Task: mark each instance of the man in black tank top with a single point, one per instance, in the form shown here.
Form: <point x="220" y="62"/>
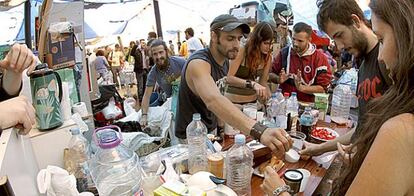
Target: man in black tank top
<point x="199" y="93"/>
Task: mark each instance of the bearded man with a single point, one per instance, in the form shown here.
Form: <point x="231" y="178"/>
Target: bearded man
<point x="166" y="70"/>
<point x="200" y="94"/>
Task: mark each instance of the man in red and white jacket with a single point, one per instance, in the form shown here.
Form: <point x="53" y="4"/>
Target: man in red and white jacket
<point x="302" y="68"/>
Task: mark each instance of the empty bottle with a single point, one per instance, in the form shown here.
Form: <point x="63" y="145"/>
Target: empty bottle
<point x="79" y="155"/>
<point x="239" y="163"/>
<point x="341" y="103"/>
<point x="114" y="168"/>
<point x="196" y="137"/>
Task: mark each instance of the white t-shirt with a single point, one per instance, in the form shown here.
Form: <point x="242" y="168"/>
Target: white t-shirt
<point x="116" y="57"/>
<point x="194" y="44"/>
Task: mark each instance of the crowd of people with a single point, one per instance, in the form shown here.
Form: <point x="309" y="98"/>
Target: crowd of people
<point x="378" y="153"/>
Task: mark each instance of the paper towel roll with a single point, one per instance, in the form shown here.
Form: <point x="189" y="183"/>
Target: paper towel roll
<point x="65" y="105"/>
<point x="80" y="108"/>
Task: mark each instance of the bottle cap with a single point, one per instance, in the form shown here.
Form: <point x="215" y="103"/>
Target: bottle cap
<point x="286" y="94"/>
<point x="196" y="116"/>
<point x="108" y="138"/>
<point x="294" y="94"/>
<point x="75" y="131"/>
<point x="240" y="139"/>
<point x="308" y="108"/>
<point x="279" y="90"/>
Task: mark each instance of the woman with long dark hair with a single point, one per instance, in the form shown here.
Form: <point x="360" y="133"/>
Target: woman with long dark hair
<point x="384" y="160"/>
<point x="248" y="73"/>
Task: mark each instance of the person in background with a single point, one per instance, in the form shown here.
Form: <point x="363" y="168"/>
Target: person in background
<point x="138" y="53"/>
<point x="200" y="94"/>
<point x="193" y="43"/>
<point x="117" y="62"/>
<point x="183" y="50"/>
<point x="101" y="64"/>
<point x="165" y="71"/>
<point x="16" y="110"/>
<point x="249" y="72"/>
<point x="151" y="37"/>
<point x="343" y="20"/>
<point x="108" y="51"/>
<point x="178" y="46"/>
<point x="384" y="155"/>
<point x="171" y="48"/>
<point x="301" y="67"/>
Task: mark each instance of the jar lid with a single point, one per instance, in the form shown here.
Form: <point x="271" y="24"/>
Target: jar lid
<point x="293" y="175"/>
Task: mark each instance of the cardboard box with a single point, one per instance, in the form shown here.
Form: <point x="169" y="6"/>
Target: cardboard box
<point x="60" y="50"/>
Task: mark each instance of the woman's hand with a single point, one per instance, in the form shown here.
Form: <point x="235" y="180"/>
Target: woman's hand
<point x="271" y="181"/>
<point x="261" y="91"/>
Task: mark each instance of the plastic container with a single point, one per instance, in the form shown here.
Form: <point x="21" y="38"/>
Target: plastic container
<point x="239" y="163"/>
<point x="341" y="104"/>
<point x="79" y="155"/>
<point x="196" y="137"/>
<point x="115" y="169"/>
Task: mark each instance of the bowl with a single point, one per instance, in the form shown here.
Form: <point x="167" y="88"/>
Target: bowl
<point x="326" y="130"/>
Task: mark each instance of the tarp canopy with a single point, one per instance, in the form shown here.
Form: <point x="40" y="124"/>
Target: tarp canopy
<point x="134" y="19"/>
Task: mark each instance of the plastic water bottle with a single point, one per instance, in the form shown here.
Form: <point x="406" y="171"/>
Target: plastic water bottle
<point x="196" y="137"/>
<point x="239" y="163"/>
<point x="293" y="105"/>
<point x="293" y="108"/>
<point x="341" y="103"/>
<point x="281" y="117"/>
<point x="306" y="121"/>
<point x="79" y="155"/>
<point x="115" y="169"/>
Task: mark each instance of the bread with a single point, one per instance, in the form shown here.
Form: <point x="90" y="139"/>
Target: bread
<point x="274" y="162"/>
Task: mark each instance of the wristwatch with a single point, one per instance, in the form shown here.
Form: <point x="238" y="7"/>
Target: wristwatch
<point x="249" y="84"/>
<point x="257" y="130"/>
<point x="280" y="190"/>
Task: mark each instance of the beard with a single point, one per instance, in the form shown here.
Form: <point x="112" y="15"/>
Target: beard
<point x="359" y="43"/>
<point x="230" y="54"/>
<point x="162" y="63"/>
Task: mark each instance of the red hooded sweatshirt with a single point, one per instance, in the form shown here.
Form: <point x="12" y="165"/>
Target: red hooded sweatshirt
<point x="313" y="65"/>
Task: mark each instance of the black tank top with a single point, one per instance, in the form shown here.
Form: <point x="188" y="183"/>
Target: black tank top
<point x="189" y="103"/>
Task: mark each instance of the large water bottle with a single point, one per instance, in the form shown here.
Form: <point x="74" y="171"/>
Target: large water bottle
<point x="341" y="103"/>
<point x="78" y="165"/>
<point x="196" y="137"/>
<point x="115" y="169"/>
<point x="239" y="163"/>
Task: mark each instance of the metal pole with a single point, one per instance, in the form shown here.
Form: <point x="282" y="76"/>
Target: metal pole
<point x="27" y="24"/>
<point x="157" y="18"/>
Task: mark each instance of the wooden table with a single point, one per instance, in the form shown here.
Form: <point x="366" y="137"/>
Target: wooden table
<point x="318" y="171"/>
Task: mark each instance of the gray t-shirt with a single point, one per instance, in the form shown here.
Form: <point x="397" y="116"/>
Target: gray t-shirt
<point x="165" y="78"/>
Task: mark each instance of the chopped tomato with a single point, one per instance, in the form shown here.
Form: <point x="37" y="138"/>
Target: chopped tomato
<point x="322" y="133"/>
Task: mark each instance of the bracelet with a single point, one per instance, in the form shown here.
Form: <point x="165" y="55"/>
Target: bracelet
<point x="249" y="84"/>
<point x="280" y="190"/>
<point x="144" y="114"/>
<point x="257" y="131"/>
